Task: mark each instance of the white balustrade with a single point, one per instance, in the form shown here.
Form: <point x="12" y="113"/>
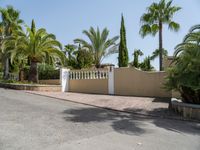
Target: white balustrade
<point x="88" y="74"/>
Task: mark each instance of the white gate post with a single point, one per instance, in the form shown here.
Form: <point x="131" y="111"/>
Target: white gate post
<point x="65" y="79"/>
<point x="111" y="81"/>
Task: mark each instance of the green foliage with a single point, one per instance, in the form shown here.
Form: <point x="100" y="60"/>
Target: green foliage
<point x="157" y="53"/>
<point x="100" y="46"/>
<point x="10" y="23"/>
<point x="46" y="72"/>
<point x="84" y="58"/>
<point x="38" y="47"/>
<point x="184" y="76"/>
<point x="69" y="51"/>
<point x="123" y="51"/>
<point x="136" y="54"/>
<point x="157" y="15"/>
<point x="146" y="64"/>
<point x="156" y="12"/>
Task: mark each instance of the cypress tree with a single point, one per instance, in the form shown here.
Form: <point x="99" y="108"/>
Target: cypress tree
<point x="123" y="51"/>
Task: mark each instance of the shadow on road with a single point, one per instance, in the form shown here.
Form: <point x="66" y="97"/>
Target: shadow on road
<point x="127" y="123"/>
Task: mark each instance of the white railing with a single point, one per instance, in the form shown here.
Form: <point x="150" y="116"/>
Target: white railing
<point x="88" y="74"/>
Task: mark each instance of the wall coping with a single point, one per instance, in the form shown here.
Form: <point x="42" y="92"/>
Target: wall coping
<point x="136" y="69"/>
<point x="30" y="85"/>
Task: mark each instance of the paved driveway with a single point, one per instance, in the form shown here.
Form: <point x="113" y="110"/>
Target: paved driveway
<point x="31" y="122"/>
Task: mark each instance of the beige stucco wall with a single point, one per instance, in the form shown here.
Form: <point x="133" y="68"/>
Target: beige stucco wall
<point x="94" y="86"/>
<point x="133" y="82"/>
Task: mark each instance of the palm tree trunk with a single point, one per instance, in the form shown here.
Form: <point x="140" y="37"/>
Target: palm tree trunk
<point x="21" y="73"/>
<point x="6" y="69"/>
<point x="160" y="46"/>
<point x="33" y="73"/>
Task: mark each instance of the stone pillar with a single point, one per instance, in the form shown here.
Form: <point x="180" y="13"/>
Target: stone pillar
<point x="111" y="81"/>
<point x="65" y="79"/>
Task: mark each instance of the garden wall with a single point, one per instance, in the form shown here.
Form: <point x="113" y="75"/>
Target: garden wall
<point x="133" y="82"/>
<point x="50" y="82"/>
<point x="115" y="81"/>
<point x="32" y="87"/>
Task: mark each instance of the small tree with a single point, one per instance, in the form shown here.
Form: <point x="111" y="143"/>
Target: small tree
<point x="69" y="50"/>
<point x="84" y="58"/>
<point x="123" y="51"/>
<point x="146" y="64"/>
<point x="136" y="54"/>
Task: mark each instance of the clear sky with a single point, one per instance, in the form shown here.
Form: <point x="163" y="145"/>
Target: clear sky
<point x="67" y="18"/>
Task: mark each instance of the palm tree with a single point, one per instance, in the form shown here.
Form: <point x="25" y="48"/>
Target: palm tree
<point x="69" y="50"/>
<point x="156" y="53"/>
<point x="38" y="46"/>
<point x="99" y="44"/>
<point x="136" y="54"/>
<point x="10" y="23"/>
<point x="20" y="59"/>
<point x="184" y="75"/>
<point x="152" y="22"/>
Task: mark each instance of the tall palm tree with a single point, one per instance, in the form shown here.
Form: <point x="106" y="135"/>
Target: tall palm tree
<point x="10" y="23"/>
<point x="136" y="54"/>
<point x="99" y="44"/>
<point x="38" y="46"/>
<point x="152" y="22"/>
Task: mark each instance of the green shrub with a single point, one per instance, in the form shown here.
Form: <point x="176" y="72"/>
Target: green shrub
<point x="45" y="72"/>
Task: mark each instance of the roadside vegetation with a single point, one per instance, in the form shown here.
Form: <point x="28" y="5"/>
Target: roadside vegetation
<point x="184" y="75"/>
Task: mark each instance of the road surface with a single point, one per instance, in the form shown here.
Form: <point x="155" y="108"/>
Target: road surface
<point x="32" y="122"/>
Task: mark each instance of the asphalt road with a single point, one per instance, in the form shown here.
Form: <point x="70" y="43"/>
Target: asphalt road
<point x="31" y="122"/>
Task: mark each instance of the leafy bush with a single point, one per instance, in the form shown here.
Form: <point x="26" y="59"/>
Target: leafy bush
<point x="84" y="59"/>
<point x="184" y="76"/>
<point x="46" y="72"/>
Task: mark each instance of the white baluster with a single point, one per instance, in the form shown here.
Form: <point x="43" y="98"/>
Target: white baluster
<point x="94" y="74"/>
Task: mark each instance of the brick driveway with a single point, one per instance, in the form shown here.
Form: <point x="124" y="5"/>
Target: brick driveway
<point x="139" y="105"/>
